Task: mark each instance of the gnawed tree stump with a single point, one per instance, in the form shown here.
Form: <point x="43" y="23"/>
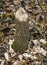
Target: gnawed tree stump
<point x="22" y="31"/>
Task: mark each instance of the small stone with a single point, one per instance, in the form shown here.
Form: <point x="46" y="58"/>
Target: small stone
<point x="6" y="56"/>
<point x="43" y="41"/>
<point x="20" y="57"/>
<point x="35" y="42"/>
<point x="3" y="61"/>
<point x="15" y="63"/>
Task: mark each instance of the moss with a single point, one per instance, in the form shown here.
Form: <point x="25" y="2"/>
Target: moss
<point x="17" y="47"/>
<point x="1" y="0"/>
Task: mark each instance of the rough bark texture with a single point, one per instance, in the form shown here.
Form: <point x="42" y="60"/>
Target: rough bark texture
<point x="22" y="36"/>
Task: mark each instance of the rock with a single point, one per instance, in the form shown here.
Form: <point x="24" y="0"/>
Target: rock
<point x="35" y="42"/>
<point x="40" y="50"/>
<point x="43" y="41"/>
<point x="43" y="52"/>
<point x="26" y="55"/>
<point x="13" y="55"/>
<point x="6" y="56"/>
<point x="35" y="57"/>
<point x="20" y="57"/>
<point x="3" y="61"/>
<point x="0" y="60"/>
<point x="15" y="63"/>
<point x="10" y="43"/>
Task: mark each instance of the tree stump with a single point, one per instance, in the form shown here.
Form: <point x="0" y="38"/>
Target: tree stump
<point x="22" y="31"/>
